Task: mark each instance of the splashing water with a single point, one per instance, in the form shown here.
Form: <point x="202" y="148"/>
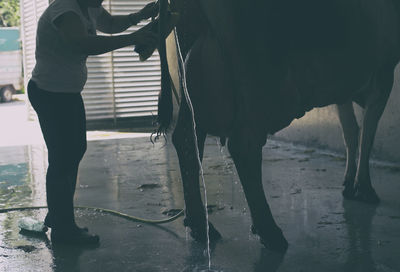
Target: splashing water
<point x="189" y="102"/>
<point x="228" y="168"/>
<point x="187" y="233"/>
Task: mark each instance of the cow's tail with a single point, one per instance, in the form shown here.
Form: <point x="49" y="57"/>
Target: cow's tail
<point x="165" y="105"/>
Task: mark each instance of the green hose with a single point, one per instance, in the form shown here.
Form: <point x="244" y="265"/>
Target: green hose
<point x="112" y="212"/>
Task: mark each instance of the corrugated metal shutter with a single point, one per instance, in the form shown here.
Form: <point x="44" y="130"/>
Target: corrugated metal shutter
<point x="30" y="14"/>
<point x="119" y="86"/>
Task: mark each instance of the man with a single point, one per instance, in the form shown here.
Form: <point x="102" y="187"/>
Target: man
<point x="66" y="36"/>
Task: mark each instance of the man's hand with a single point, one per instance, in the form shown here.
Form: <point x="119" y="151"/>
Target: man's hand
<point x="150" y="10"/>
<point x="145" y="37"/>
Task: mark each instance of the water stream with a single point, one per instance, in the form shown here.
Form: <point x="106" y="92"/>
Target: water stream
<point x="229" y="169"/>
<point x="189" y="102"/>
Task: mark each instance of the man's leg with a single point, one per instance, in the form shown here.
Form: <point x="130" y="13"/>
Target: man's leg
<point x="61" y="118"/>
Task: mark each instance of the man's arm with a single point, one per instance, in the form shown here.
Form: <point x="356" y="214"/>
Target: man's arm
<point x="74" y="33"/>
<point x="111" y="24"/>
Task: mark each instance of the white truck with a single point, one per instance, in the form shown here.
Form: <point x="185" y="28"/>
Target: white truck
<point x="10" y="63"/>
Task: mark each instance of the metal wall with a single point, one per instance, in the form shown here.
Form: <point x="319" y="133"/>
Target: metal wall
<point x="119" y="85"/>
<point x="30" y="14"/>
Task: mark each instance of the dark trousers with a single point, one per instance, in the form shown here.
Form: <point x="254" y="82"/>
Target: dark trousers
<point x="63" y="124"/>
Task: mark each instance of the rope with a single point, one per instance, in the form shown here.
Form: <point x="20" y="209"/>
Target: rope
<point x="108" y="211"/>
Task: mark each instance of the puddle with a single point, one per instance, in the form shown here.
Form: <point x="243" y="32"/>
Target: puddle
<point x="202" y="269"/>
<point x="149" y="186"/>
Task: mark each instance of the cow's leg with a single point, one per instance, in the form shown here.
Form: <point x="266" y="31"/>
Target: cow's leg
<point x="247" y="155"/>
<point x="184" y="142"/>
<point x="373" y="111"/>
<point x="351" y="132"/>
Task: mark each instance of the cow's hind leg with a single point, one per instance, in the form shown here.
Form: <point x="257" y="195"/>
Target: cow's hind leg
<point x="247" y="155"/>
<point x="350" y="131"/>
<point x="374" y="108"/>
<point x="184" y="142"/>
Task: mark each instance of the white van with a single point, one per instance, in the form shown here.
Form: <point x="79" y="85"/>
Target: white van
<point x="10" y="63"/>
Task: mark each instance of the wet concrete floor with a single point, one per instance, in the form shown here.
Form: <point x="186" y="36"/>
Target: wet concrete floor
<point x="303" y="186"/>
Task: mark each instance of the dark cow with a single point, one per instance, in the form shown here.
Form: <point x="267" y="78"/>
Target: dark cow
<point x="254" y="66"/>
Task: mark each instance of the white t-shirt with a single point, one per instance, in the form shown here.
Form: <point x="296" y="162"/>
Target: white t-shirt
<point x="60" y="68"/>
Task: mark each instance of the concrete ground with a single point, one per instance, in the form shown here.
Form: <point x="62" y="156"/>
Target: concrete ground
<point x="125" y="172"/>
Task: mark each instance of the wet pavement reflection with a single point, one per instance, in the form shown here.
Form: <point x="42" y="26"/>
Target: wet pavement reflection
<point x="133" y="176"/>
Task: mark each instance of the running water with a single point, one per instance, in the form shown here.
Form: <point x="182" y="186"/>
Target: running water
<point x="229" y="170"/>
<point x="189" y="102"/>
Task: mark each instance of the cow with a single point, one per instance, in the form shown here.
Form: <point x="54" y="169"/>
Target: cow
<point x="251" y="67"/>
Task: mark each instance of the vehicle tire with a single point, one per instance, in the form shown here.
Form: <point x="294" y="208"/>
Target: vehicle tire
<point x="6" y="94"/>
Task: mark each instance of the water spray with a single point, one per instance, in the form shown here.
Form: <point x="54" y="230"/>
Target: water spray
<point x="190" y="105"/>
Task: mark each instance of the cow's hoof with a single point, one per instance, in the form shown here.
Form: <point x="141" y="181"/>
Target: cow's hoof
<point x="349" y="192"/>
<point x="274" y="240"/>
<point x="366" y="194"/>
<point x="199" y="233"/>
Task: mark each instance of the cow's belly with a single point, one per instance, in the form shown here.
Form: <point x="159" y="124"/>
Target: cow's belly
<point x="331" y="77"/>
<point x="210" y="86"/>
